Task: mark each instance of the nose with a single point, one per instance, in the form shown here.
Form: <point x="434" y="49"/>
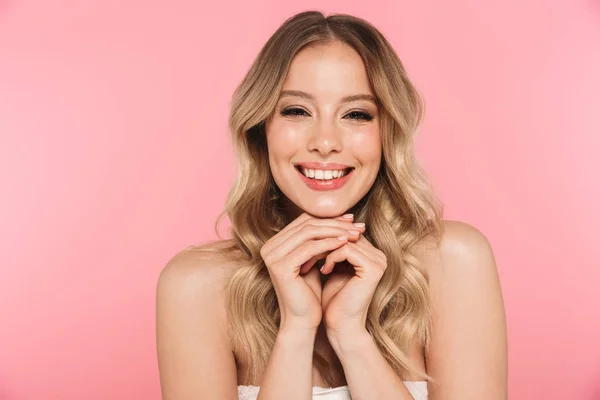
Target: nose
<point x="325" y="138"/>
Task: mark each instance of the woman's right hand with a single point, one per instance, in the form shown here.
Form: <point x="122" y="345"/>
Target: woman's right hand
<point x="302" y="243"/>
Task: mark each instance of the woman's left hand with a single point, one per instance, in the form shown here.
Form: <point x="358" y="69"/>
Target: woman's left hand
<point x="348" y="291"/>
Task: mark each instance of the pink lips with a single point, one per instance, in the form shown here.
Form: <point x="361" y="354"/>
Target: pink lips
<point x="331" y="184"/>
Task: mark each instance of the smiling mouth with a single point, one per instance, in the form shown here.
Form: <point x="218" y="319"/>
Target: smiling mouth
<point x="346" y="172"/>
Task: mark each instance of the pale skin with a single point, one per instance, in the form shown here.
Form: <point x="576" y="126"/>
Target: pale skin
<point x="468" y="357"/>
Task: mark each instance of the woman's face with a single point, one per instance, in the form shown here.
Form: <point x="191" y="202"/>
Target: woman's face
<point x="326" y="121"/>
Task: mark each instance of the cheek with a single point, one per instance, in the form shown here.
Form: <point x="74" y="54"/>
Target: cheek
<point x="282" y="141"/>
<point x="366" y="146"/>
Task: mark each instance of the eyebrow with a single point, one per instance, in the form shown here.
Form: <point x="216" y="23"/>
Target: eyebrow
<point x="308" y="96"/>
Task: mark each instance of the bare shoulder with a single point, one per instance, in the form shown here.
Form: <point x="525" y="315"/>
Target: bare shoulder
<point x="459" y="241"/>
<point x="206" y="266"/>
<point x="192" y="338"/>
<point x="463" y="239"/>
<point x="468" y="354"/>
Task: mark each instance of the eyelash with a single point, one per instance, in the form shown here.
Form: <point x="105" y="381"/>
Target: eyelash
<point x="362" y="115"/>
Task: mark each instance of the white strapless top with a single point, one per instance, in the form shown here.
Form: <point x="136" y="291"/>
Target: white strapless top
<point x="418" y="390"/>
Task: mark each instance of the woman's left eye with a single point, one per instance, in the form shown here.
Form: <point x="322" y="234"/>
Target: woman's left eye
<point x="360" y="115"/>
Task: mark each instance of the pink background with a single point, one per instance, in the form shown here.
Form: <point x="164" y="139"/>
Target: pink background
<point x="115" y="155"/>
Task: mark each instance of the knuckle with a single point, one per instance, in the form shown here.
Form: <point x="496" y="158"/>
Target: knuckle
<point x="309" y="244"/>
<point x="264" y="252"/>
<point x="332" y="243"/>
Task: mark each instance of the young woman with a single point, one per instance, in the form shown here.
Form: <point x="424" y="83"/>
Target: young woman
<point x="340" y="276"/>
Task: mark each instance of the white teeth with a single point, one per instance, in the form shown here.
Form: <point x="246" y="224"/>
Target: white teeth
<point x="322" y="174"/>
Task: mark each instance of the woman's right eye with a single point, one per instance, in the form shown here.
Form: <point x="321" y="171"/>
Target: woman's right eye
<point x="294" y="112"/>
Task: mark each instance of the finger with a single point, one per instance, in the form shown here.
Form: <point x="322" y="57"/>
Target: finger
<point x="362" y="245"/>
<point x="361" y="263"/>
<point x="374" y="261"/>
<point x="306" y="251"/>
<point x="338" y="221"/>
<point x="293" y="227"/>
<point x="315" y="230"/>
<point x="369" y="249"/>
<point x="310" y="263"/>
<point x="281" y="235"/>
<point x="304" y="268"/>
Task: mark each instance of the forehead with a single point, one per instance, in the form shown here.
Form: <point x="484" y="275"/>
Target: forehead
<point x="328" y="69"/>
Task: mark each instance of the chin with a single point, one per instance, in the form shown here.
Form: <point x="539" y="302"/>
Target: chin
<point x="325" y="212"/>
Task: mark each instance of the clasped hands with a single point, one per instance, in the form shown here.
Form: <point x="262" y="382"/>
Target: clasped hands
<point x="352" y="272"/>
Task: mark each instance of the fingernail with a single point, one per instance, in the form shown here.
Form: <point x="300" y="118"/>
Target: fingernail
<point x="342" y="238"/>
<point x="353" y="232"/>
<point x="348" y="216"/>
<point x="359" y="224"/>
